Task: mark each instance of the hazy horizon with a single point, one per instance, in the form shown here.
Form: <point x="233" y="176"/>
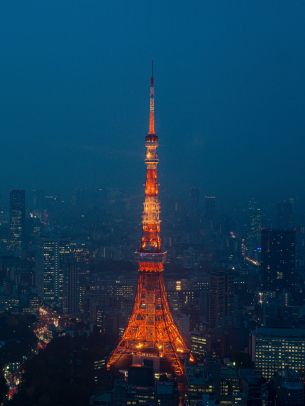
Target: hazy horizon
<point x="229" y="95"/>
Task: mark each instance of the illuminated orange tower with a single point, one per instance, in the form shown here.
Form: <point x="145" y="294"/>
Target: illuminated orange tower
<point x="151" y="330"/>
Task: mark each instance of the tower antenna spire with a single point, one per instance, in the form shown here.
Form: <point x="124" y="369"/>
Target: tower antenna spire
<point x="152" y="102"/>
<point x="151" y="330"/>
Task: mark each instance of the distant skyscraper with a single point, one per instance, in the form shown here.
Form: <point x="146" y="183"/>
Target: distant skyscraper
<point x="64" y="268"/>
<point x="71" y="289"/>
<point x="36" y="203"/>
<point x="278" y="260"/>
<point x="17" y="219"/>
<point x="220" y="297"/>
<point x="52" y="273"/>
<point x="254" y="230"/>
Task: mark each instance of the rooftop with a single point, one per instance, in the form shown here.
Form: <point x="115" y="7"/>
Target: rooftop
<point x="279" y="332"/>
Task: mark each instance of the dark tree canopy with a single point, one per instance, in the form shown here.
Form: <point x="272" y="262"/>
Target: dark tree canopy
<point x="62" y="374"/>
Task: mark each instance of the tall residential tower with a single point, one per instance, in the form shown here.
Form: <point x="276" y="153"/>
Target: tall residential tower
<point x="17" y="219"/>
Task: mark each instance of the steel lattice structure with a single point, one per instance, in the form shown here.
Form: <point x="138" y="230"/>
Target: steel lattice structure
<point x="151" y="330"/>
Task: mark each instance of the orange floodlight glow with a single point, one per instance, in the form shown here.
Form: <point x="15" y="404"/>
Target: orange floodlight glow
<point x="151" y="266"/>
<point x="191" y="358"/>
<point x="151" y="328"/>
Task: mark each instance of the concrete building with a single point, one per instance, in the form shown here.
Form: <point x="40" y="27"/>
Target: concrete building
<point x="274" y="349"/>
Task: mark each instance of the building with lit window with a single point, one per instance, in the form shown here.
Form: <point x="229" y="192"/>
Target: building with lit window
<point x="17" y="220"/>
<point x="254" y="230"/>
<point x="273" y="349"/>
<point x="278" y="259"/>
<point x="141" y="388"/>
<point x="64" y="272"/>
<point x="230" y="390"/>
<point x="201" y="384"/>
<point x="199" y="344"/>
<point x="52" y="277"/>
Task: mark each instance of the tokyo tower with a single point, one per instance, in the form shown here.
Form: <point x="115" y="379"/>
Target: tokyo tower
<point x="151" y="332"/>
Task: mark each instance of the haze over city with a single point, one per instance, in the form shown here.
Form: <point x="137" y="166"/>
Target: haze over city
<point x="152" y="206"/>
<point x="229" y="89"/>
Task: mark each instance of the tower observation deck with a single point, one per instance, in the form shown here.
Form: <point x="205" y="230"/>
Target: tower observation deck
<point x="151" y="331"/>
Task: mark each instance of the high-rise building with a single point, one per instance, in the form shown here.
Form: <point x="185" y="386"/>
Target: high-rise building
<point x="151" y="331"/>
<point x="273" y="349"/>
<point x="17" y="220"/>
<point x="71" y="288"/>
<point x="52" y="274"/>
<point x="199" y="344"/>
<point x="79" y="255"/>
<point x="220" y="297"/>
<point x="64" y="266"/>
<point x="278" y="259"/>
<point x="36" y="203"/>
<point x="253" y="241"/>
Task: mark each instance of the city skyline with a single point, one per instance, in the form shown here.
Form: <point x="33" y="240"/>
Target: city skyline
<point x="87" y="315"/>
